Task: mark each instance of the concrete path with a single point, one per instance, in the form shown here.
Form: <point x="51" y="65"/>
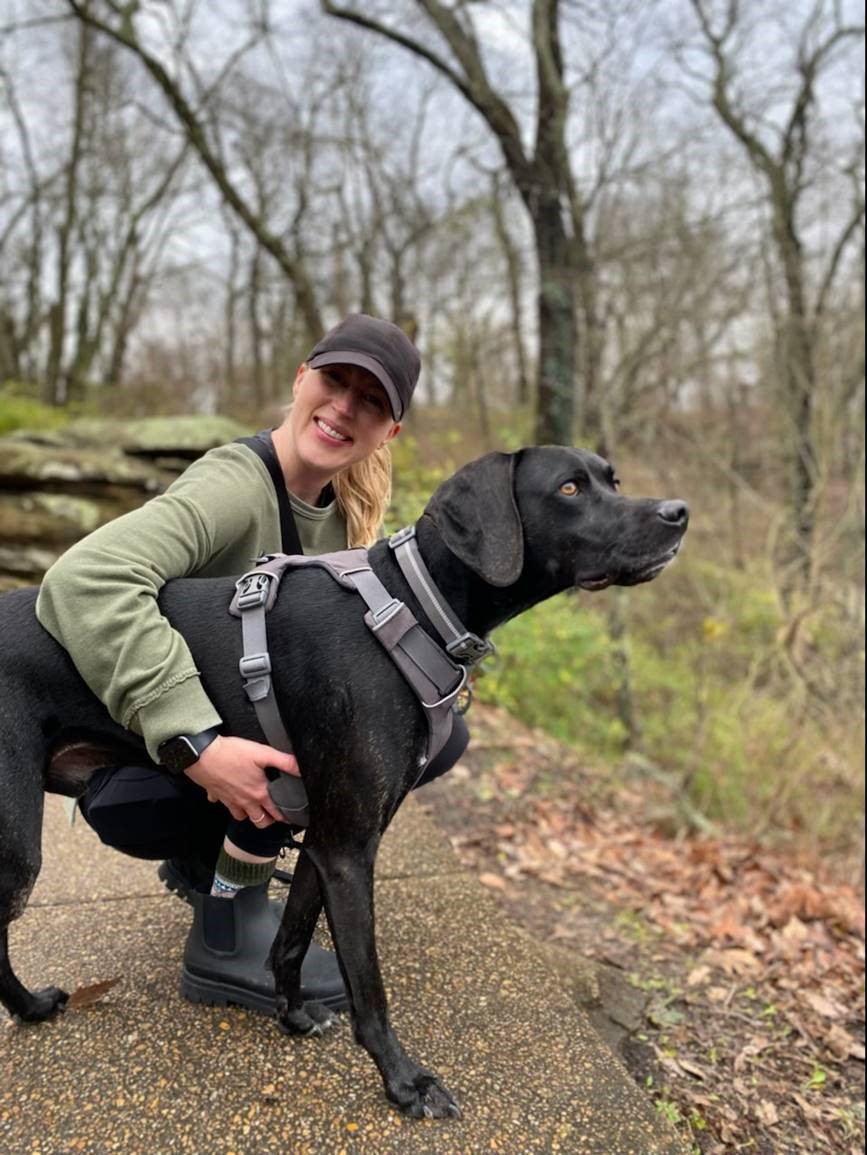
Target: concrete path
<point x="146" y="1073"/>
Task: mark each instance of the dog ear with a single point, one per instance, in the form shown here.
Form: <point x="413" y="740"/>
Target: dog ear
<point x="478" y="519"/>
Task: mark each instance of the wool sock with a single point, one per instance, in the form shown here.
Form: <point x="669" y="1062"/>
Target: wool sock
<point x="232" y="874"/>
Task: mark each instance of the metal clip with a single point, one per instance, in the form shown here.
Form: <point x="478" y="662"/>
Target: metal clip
<point x="452" y="695"/>
<point x="470" y="649"/>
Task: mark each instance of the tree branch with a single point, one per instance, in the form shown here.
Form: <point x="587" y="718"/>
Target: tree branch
<point x="842" y="244"/>
<point x="125" y="35"/>
<point x="473" y="84"/>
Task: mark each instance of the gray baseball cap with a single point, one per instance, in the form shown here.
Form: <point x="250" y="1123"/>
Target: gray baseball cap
<point x="378" y="346"/>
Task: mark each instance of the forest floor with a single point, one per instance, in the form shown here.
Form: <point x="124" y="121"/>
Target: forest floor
<point x="748" y="962"/>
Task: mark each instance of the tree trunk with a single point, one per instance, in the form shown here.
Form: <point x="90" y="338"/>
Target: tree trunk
<point x="558" y="331"/>
<point x="798" y="365"/>
<point x="513" y="273"/>
<point x="55" y="385"/>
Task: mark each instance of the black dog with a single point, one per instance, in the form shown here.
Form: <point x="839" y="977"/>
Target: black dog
<point x="506" y="532"/>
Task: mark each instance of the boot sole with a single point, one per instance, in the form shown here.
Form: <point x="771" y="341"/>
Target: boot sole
<point x="212" y="993"/>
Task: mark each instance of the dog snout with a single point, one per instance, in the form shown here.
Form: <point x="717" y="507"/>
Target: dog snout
<point x="674" y="513"/>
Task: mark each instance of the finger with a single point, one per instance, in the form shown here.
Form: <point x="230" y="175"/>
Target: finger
<point x="237" y="814"/>
<point x="268" y="806"/>
<point x="291" y="767"/>
<point x="261" y="819"/>
<point x="288" y="763"/>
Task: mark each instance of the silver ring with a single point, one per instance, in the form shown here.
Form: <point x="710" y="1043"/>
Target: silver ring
<point x="261" y="818"/>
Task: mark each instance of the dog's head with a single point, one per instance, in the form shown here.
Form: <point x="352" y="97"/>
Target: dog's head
<point x="554" y="513"/>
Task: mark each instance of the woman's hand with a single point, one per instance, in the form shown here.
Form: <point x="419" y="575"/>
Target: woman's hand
<point x="232" y="771"/>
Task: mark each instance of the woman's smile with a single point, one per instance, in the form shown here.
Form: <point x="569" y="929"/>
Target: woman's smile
<point x="330" y="433"/>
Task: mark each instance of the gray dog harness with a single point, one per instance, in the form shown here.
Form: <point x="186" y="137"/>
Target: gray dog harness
<point x="437" y="676"/>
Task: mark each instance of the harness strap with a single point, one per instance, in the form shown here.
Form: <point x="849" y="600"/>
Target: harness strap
<point x="466" y="648"/>
<point x="434" y="676"/>
<point x="255" y="594"/>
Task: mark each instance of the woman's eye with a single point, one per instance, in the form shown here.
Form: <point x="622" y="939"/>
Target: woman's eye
<point x="569" y="489"/>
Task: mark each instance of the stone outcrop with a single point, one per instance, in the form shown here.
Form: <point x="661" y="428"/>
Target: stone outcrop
<point x="58" y="486"/>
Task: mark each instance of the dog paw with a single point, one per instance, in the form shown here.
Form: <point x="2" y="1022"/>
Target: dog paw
<point x="425" y="1098"/>
<point x="310" y="1019"/>
<point x="44" y="1004"/>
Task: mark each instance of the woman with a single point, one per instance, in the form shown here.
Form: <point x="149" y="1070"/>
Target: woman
<point x="216" y="823"/>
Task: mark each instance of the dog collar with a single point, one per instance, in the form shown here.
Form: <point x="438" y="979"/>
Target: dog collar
<point x="461" y="645"/>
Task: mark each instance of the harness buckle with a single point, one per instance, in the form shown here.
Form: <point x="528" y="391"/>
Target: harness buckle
<point x="470" y="649"/>
<point x="402" y="537"/>
<point x="253" y="589"/>
<point x="255" y="666"/>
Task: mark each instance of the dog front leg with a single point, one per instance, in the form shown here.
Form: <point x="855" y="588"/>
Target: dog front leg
<point x="303" y="908"/>
<point x="346" y="878"/>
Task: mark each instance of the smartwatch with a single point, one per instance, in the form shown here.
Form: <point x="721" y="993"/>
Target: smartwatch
<point x="180" y="753"/>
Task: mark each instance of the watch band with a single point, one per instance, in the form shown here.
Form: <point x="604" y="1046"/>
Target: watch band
<point x="184" y="750"/>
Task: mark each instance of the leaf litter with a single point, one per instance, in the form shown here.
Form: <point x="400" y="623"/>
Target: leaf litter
<point x="751" y="957"/>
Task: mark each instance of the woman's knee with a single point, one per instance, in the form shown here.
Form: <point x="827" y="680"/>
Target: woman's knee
<point x="146" y="813"/>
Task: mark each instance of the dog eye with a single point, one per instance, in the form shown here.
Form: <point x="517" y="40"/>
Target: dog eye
<point x="570" y="489"/>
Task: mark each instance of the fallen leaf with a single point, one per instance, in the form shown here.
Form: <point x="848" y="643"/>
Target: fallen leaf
<point x="843" y="1045"/>
<point x="751" y="1051"/>
<point x="767" y="1113"/>
<point x="734" y="961"/>
<point x="88" y="996"/>
<point x="492" y="881"/>
<point x="699" y="976"/>
<point x="825" y="1007"/>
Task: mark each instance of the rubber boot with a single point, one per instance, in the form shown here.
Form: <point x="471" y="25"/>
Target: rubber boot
<point x="228" y="947"/>
<point x="185" y="876"/>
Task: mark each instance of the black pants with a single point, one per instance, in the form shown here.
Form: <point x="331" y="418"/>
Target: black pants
<point x="145" y="813"/>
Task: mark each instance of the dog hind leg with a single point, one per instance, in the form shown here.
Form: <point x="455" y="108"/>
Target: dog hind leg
<point x="346" y="878"/>
<point x="22" y="799"/>
<point x="26" y="1006"/>
<point x="303" y="908"/>
<point x="17" y="876"/>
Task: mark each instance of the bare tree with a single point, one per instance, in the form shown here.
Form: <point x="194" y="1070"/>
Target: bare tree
<point x="118" y="22"/>
<point x="780" y="150"/>
<point x="542" y="174"/>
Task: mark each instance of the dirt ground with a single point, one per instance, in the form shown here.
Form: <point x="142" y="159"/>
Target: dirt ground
<point x="730" y="975"/>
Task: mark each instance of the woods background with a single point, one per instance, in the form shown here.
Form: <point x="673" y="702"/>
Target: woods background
<point x="632" y="225"/>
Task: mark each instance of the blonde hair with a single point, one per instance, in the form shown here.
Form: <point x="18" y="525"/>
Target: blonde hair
<point x="363" y="493"/>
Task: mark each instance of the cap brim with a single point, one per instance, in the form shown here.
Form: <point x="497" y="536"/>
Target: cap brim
<point x="362" y="361"/>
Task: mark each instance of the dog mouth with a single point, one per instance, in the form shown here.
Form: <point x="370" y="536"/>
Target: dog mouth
<point x="645" y="571"/>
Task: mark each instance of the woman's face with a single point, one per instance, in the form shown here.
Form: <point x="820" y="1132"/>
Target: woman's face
<point x="341" y="415"/>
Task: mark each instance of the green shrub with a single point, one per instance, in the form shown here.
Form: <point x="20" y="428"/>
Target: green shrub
<point x="19" y="410"/>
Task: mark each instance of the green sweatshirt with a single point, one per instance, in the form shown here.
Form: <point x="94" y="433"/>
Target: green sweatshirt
<point x="99" y="601"/>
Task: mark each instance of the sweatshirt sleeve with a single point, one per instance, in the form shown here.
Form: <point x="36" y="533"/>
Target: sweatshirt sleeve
<point x="99" y="601"/>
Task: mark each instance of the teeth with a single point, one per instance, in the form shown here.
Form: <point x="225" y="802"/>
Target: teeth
<point x="330" y="431"/>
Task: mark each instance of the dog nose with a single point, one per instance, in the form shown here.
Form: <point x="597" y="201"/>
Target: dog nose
<point x="674" y="512"/>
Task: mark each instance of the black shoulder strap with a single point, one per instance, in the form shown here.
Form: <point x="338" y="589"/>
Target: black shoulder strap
<point x="263" y="447"/>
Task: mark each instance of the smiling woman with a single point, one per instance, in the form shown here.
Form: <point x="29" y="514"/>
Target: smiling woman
<point x="207" y="809"/>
